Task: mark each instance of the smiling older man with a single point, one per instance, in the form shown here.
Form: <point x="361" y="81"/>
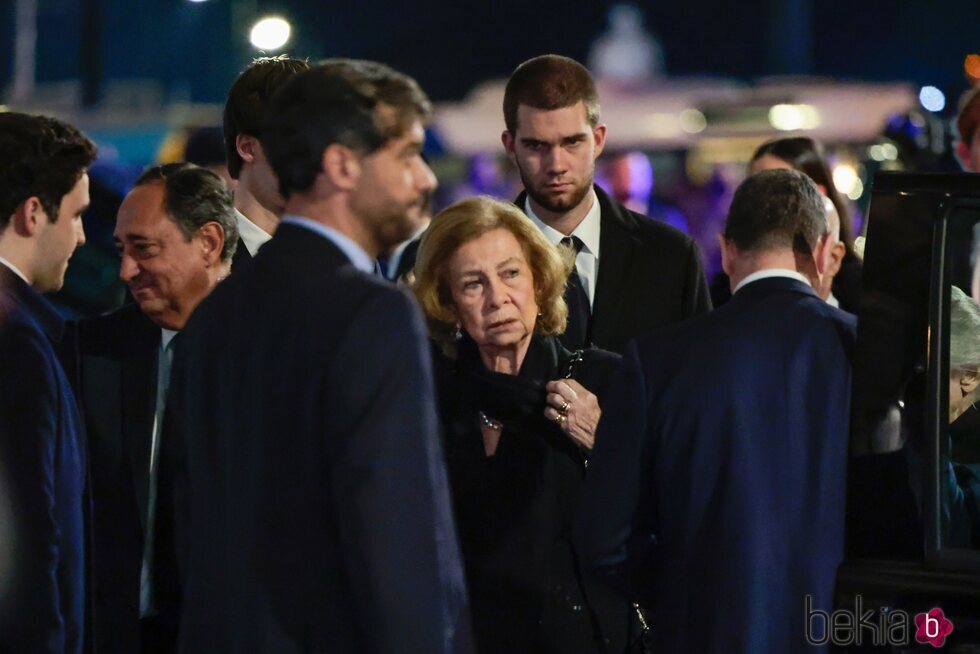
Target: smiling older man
<point x="176" y="234"/>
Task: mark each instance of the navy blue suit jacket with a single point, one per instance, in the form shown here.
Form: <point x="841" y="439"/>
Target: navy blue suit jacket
<point x="42" y="481"/>
<point x="715" y="493"/>
<point x="311" y="500"/>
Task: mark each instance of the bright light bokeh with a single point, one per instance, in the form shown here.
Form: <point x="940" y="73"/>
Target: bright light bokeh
<point x="932" y="98"/>
<point x="846" y="179"/>
<point x="270" y="33"/>
<point x="693" y="121"/>
<point x="792" y="117"/>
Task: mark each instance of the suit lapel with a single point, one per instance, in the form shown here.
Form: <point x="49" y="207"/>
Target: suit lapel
<point x="139" y="388"/>
<point x="616" y="251"/>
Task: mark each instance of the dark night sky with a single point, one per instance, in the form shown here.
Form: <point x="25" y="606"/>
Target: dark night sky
<point x="450" y="46"/>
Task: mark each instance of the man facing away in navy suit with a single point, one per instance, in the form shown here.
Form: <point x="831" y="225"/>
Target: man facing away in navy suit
<point x="43" y="192"/>
<point x="310" y="497"/>
<point x="715" y="494"/>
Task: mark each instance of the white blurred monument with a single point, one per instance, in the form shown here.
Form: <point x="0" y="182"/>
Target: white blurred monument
<point x="626" y="53"/>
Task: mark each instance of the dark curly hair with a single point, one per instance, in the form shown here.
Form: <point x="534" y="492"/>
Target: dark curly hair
<point x="40" y="157"/>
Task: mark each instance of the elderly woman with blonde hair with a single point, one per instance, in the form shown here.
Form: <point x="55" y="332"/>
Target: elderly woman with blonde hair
<point x="519" y="414"/>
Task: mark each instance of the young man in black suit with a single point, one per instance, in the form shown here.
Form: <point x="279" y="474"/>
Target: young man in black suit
<point x="43" y="192"/>
<point x="176" y="235"/>
<point x="310" y="501"/>
<point x="258" y="203"/>
<point x="632" y="274"/>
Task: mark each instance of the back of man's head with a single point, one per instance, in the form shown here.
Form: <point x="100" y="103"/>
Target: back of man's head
<point x="776" y="210"/>
<point x="193" y="197"/>
<point x="39" y="157"/>
<point x="357" y="104"/>
<point x="249" y="98"/>
<point x="550" y="82"/>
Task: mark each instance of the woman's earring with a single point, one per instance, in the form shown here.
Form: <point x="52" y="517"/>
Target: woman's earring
<point x="458" y="334"/>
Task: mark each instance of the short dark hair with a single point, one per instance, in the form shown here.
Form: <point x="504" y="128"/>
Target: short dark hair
<point x="968" y="114"/>
<point x="336" y="101"/>
<point x="194" y="196"/>
<point x="807" y="155"/>
<point x="550" y="82"/>
<point x="776" y="209"/>
<point x="248" y="101"/>
<point x="40" y="157"/>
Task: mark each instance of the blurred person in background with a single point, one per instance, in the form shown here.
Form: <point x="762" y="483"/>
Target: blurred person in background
<point x="968" y="131"/>
<point x="43" y="193"/>
<point x="258" y="201"/>
<point x="176" y="234"/>
<point x="519" y="413"/>
<point x="631" y="184"/>
<point x="840" y="285"/>
<point x="632" y="274"/>
<point x="205" y="147"/>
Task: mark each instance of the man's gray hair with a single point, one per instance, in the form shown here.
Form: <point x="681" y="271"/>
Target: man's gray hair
<point x="194" y="196"/>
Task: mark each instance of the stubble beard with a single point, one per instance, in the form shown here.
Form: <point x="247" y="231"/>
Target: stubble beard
<point x="557" y="205"/>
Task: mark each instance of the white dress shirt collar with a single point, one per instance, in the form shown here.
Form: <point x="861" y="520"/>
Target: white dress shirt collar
<point x="587" y="230"/>
<point x="14" y="269"/>
<point x="770" y="272"/>
<point x="361" y="260"/>
<point x="251" y="234"/>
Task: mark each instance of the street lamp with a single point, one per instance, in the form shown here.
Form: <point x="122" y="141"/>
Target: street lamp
<point x="270" y="33"/>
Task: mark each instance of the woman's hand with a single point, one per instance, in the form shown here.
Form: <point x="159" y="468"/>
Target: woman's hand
<point x="574" y="409"/>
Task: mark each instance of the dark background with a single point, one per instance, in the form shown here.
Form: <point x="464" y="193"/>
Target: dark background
<point x="195" y="50"/>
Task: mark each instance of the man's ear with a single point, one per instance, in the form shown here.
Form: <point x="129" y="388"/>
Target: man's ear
<point x="507" y="138"/>
<point x="963" y="156"/>
<point x="599" y="135"/>
<point x="341" y="166"/>
<point x="823" y="255"/>
<point x="727" y="254"/>
<point x="211" y="236"/>
<point x="28" y="217"/>
<point x="247" y="147"/>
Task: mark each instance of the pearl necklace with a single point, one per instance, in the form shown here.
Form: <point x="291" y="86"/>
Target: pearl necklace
<point x="489" y="422"/>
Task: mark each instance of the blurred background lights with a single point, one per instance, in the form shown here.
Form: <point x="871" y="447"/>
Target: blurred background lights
<point x="693" y="121"/>
<point x="932" y="98"/>
<point x="270" y="33"/>
<point x="197" y="1"/>
<point x="791" y="117"/>
<point x="972" y="66"/>
<point x="663" y="125"/>
<point x="847" y="181"/>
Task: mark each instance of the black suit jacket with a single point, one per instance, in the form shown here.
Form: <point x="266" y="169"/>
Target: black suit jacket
<point x="42" y="481"/>
<point x="117" y="386"/>
<point x="241" y="258"/>
<point x="650" y="275"/>
<point x="311" y="502"/>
